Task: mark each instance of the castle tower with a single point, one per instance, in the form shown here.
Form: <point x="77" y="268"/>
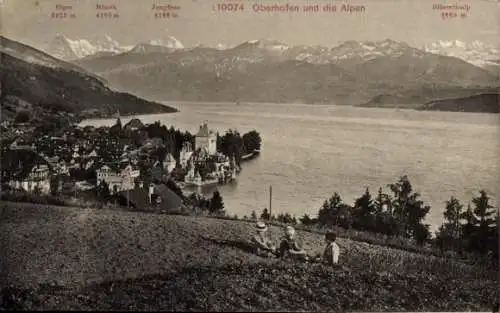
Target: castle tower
<point x="207" y="139"/>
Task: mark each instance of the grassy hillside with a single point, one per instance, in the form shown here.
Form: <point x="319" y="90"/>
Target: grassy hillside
<point x="91" y="259"/>
<point x="29" y="76"/>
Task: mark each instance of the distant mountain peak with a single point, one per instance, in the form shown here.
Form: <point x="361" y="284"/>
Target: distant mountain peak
<point x="475" y="52"/>
<point x="65" y="48"/>
<point x="144" y="48"/>
<point x="31" y="55"/>
<point x="264" y="44"/>
<point x="167" y="41"/>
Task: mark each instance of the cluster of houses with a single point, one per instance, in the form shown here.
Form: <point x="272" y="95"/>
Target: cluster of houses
<point x="88" y="156"/>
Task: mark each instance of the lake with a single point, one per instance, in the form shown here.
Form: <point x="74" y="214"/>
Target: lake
<point x="311" y="151"/>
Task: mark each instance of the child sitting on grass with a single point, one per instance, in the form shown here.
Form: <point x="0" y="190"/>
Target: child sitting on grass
<point x="291" y="247"/>
<point x="332" y="251"/>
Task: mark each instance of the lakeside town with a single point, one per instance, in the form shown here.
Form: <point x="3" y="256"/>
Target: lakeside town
<point x="134" y="164"/>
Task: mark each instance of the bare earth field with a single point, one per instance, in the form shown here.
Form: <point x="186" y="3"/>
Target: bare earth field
<point x="86" y="259"/>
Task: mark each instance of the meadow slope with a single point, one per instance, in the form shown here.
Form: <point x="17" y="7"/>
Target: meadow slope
<point x="70" y="258"/>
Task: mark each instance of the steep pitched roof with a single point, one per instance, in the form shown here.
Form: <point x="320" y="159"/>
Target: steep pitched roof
<point x="203" y="131"/>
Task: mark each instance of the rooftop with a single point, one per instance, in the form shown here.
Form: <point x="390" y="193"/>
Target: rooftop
<point x="203" y="131"/>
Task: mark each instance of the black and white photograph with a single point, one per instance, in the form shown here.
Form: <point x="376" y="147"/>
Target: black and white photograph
<point x="250" y="155"/>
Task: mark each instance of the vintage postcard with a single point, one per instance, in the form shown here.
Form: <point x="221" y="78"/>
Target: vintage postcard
<point x="250" y="155"/>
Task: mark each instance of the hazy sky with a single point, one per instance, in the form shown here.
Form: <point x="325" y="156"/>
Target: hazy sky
<point x="413" y="21"/>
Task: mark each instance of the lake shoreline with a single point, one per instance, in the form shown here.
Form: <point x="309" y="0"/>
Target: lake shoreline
<point x="173" y="104"/>
<point x="312" y="151"/>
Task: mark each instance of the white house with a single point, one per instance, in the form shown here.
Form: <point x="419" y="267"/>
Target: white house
<point x="124" y="180"/>
<point x="38" y="178"/>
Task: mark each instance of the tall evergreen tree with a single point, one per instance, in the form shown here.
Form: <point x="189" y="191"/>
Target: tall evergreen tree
<point x="363" y="214"/>
<point x="468" y="228"/>
<point x="408" y="210"/>
<point x="486" y="223"/>
<point x="334" y="212"/>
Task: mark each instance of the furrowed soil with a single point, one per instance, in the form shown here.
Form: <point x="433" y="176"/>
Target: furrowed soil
<point x="86" y="259"/>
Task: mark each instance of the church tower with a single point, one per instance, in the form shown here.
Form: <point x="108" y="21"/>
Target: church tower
<point x="118" y="120"/>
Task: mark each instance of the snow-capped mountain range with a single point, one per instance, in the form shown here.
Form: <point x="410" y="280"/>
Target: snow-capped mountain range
<point x="65" y="48"/>
<point x="475" y="52"/>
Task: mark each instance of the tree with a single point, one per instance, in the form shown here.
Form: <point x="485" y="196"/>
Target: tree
<point x="265" y="215"/>
<point x="384" y="221"/>
<point x="54" y="185"/>
<point x="421" y="233"/>
<point x="468" y="228"/>
<point x="231" y="145"/>
<point x="103" y="191"/>
<point x="333" y="211"/>
<point x="251" y="141"/>
<point x="451" y="231"/>
<point x="216" y="204"/>
<point x="22" y="117"/>
<point x="382" y="202"/>
<point x="160" y="154"/>
<point x="386" y="224"/>
<point x="306" y="220"/>
<point x="486" y="223"/>
<point x="364" y="210"/>
<point x="408" y="210"/>
<point x="253" y="216"/>
<point x="285" y="218"/>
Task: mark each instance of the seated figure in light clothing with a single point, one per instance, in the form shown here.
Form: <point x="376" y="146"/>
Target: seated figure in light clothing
<point x="262" y="242"/>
